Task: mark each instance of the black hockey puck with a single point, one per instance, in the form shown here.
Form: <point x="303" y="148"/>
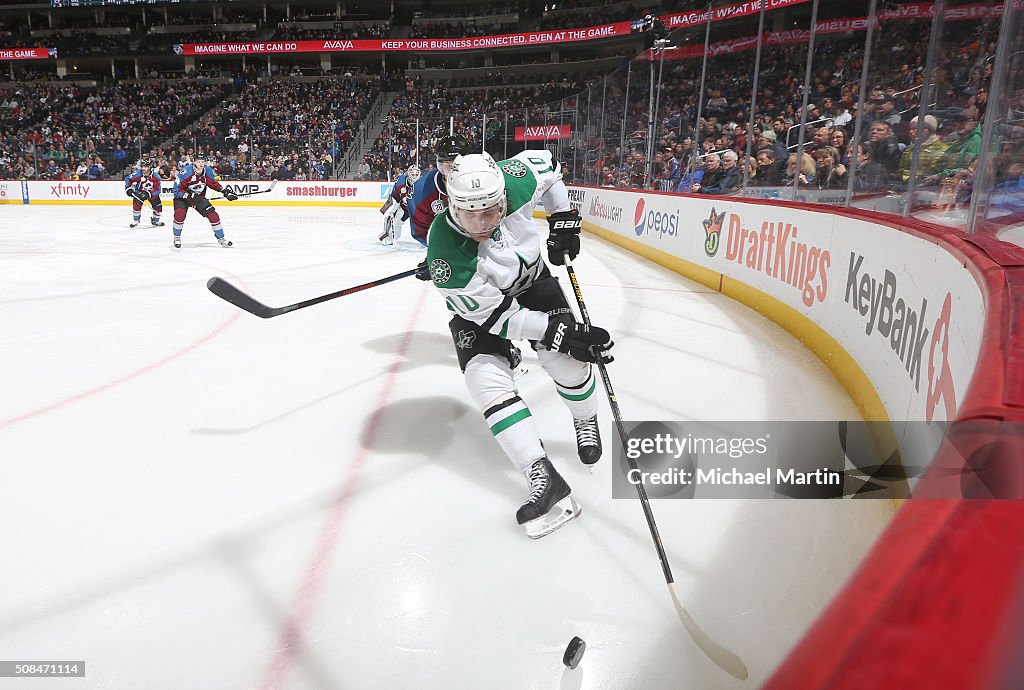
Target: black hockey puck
<point x="574" y="652"/>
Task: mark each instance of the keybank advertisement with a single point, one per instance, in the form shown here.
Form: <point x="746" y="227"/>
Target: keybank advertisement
<point x="251" y="192"/>
<point x="902" y="306"/>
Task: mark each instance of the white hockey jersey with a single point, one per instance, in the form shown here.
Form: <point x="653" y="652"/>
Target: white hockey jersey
<point x="480" y="280"/>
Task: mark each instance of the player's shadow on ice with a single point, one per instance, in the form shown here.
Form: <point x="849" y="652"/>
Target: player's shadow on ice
<point x="448" y="433"/>
<point x="423" y="426"/>
<point x="423" y="348"/>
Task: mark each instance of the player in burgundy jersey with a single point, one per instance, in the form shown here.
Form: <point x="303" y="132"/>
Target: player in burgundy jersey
<point x="430" y="196"/>
<point x="141" y="185"/>
<point x="190" y="192"/>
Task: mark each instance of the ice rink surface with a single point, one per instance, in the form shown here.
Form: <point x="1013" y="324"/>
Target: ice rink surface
<point x="196" y="498"/>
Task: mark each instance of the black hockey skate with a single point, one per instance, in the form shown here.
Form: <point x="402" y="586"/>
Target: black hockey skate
<point x="549" y="506"/>
<point x="177" y="242"/>
<point x="225" y="242"/>
<point x="156" y="223"/>
<point x="133" y="224"/>
<point x="588" y="440"/>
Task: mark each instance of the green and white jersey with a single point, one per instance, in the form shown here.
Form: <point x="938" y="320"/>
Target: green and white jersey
<point x="480" y="280"/>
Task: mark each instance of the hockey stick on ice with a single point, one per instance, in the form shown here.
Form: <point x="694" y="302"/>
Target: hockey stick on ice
<point x="262" y="191"/>
<point x="722" y="657"/>
<point x="228" y="292"/>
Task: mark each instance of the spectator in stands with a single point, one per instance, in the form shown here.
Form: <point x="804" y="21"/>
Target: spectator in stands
<point x="51" y="171"/>
<point x="717" y="104"/>
<point x="871" y="175"/>
<point x="884" y="147"/>
<point x="712" y="173"/>
<point x="840" y="141"/>
<point x="885" y="111"/>
<point x="688" y="180"/>
<point x="779" y="154"/>
<point x="728" y="182"/>
<point x="751" y="170"/>
<point x="932" y="149"/>
<point x="96" y="170"/>
<point x="1008" y="196"/>
<point x="767" y="174"/>
<point x="845" y="113"/>
<point x="828" y="174"/>
<point x="822" y="138"/>
<point x="805" y="175"/>
<point x="962" y="152"/>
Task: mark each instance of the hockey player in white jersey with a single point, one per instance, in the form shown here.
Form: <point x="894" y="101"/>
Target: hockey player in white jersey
<point x="484" y="256"/>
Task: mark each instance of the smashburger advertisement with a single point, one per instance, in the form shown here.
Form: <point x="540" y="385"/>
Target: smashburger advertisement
<point x="320" y="191"/>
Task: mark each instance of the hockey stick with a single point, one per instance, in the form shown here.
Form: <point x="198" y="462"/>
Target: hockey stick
<point x="228" y="292"/>
<point x="722" y="657"/>
<point x="273" y="184"/>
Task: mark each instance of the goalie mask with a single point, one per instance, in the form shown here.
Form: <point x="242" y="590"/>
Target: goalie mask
<point x="412" y="174"/>
<point x="476" y="196"/>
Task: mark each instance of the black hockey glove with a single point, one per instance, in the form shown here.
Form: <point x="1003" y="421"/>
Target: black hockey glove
<point x="129" y="192"/>
<point x="578" y="340"/>
<point x="422" y="272"/>
<point x="564" y="236"/>
<point x="229" y="195"/>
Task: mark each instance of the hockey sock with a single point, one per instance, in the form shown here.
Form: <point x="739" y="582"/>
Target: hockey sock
<point x="512" y="425"/>
<point x="489" y="380"/>
<point x="214" y="219"/>
<point x="574" y="381"/>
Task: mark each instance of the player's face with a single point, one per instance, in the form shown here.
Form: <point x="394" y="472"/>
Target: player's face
<point x="480" y="224"/>
<point x="444" y="167"/>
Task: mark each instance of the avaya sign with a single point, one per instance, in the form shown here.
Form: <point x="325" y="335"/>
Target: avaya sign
<point x="541" y="132"/>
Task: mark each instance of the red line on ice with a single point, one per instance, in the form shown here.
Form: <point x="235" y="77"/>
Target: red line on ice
<point x="121" y="379"/>
<point x="302" y="602"/>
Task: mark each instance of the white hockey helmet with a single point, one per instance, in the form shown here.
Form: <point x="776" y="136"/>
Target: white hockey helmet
<point x="476" y="195"/>
<point x="412" y="173"/>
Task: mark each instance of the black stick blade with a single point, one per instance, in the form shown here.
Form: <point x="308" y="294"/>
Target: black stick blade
<point x="229" y="293"/>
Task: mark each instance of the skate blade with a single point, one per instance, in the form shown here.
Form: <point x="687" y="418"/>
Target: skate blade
<point x="561" y="513"/>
